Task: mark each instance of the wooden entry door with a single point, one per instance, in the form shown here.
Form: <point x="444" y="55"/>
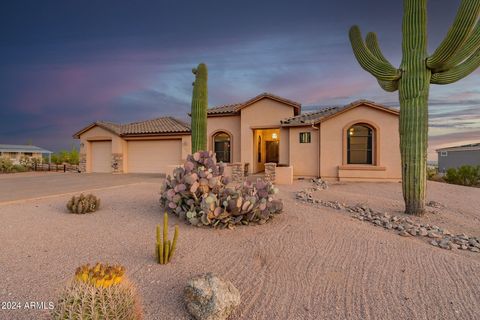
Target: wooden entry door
<point x="272" y="151"/>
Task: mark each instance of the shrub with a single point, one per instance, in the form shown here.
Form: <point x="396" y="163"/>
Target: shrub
<point x="6" y="165"/>
<point x="198" y="192"/>
<point x="99" y="292"/>
<point x="464" y="175"/>
<point x="19" y="168"/>
<point x="83" y="204"/>
<point x="25" y="161"/>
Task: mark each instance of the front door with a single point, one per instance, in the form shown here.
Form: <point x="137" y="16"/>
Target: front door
<point x="272" y="151"/>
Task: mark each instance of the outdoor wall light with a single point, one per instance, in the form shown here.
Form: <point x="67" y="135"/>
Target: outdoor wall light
<point x="274" y="136"/>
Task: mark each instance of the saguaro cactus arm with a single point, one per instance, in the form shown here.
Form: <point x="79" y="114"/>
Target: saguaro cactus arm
<point x="465" y="21"/>
<point x="467" y="49"/>
<point x="372" y="45"/>
<point x="379" y="69"/>
<point x="458" y="72"/>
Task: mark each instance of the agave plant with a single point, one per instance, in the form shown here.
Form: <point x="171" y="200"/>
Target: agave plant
<point x="198" y="193"/>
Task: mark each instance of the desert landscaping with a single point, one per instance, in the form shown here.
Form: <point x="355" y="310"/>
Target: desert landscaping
<point x="310" y="262"/>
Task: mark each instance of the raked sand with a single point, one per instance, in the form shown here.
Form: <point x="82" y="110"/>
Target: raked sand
<point x="308" y="263"/>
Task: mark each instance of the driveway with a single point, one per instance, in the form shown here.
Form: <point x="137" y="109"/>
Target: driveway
<point x="22" y="186"/>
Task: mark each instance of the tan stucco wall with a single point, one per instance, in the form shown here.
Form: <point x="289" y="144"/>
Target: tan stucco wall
<point x="304" y="156"/>
<point x="98" y="134"/>
<point x="333" y="146"/>
<point x="284" y="156"/>
<point x="265" y="113"/>
<point x="229" y="124"/>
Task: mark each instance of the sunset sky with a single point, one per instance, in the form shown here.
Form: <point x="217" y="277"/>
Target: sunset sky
<point x="65" y="64"/>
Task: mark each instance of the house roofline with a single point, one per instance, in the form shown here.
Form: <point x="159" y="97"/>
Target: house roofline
<point x="343" y="109"/>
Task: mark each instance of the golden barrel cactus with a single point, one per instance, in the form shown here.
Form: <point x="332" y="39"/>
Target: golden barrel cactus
<point x="83" y="204"/>
<point x="98" y="292"/>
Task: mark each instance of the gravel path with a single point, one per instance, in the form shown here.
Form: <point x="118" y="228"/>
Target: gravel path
<point x="309" y="263"/>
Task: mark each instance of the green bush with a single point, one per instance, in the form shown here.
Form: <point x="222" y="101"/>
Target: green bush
<point x="19" y="168"/>
<point x="6" y="165"/>
<point x="465" y="175"/>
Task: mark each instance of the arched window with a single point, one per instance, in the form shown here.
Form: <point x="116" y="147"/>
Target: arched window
<point x="360" y="144"/>
<point x="221" y="146"/>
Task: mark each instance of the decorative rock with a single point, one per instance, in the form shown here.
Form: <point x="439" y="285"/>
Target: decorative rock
<point x="433" y="235"/>
<point x="413" y="232"/>
<point x="445" y="244"/>
<point x="422" y="232"/>
<point x="434" y="243"/>
<point x="474" y="249"/>
<point x="404" y="233"/>
<point x="210" y="298"/>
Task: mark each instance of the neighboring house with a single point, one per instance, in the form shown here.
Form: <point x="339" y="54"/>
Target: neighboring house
<point x="454" y="157"/>
<point x="358" y="141"/>
<point x="16" y="152"/>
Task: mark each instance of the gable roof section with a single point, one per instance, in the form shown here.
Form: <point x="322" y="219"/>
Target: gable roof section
<point x="314" y="117"/>
<point x="158" y="126"/>
<point x="234" y="109"/>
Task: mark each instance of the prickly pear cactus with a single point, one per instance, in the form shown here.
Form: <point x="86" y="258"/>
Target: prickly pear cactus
<point x="88" y="296"/>
<point x="83" y="204"/>
<point x="198" y="193"/>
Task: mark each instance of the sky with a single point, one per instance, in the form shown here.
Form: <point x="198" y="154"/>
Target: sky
<point x="66" y="64"/>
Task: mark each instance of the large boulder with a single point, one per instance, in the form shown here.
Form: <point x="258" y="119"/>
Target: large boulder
<point x="208" y="297"/>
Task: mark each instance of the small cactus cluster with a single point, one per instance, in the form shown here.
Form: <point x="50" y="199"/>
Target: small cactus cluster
<point x="83" y="204"/>
<point x="100" y="275"/>
<point x="89" y="295"/>
<point x="165" y="249"/>
<point x="198" y="193"/>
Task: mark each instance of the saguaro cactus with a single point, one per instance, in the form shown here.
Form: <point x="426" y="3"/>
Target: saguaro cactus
<point x="199" y="108"/>
<point x="457" y="56"/>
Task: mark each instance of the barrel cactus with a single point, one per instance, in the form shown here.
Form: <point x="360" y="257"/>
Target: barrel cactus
<point x="199" y="193"/>
<point x="199" y="108"/>
<point x="83" y="204"/>
<point x="456" y="57"/>
<point x="98" y="292"/>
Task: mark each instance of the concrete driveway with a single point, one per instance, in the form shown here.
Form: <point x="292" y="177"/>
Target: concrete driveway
<point x="22" y="186"/>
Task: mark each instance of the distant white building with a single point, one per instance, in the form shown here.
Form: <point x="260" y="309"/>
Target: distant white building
<point x="16" y="152"/>
<point x="454" y="157"/>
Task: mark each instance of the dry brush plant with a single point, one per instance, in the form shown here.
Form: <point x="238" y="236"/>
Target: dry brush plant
<point x="198" y="193"/>
<point x="98" y="292"/>
<point x="83" y="204"/>
<point x="165" y="248"/>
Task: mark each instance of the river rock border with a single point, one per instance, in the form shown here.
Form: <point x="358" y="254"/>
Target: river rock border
<point x="404" y="226"/>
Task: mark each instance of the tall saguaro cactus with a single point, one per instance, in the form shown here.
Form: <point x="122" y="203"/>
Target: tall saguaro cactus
<point x="457" y="56"/>
<point x="199" y="108"/>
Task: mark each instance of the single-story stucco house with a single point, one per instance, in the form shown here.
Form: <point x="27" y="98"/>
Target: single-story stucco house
<point x="454" y="157"/>
<point x="358" y="141"/>
<point x="15" y="152"/>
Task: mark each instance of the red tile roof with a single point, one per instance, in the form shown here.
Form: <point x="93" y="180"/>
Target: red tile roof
<point x="162" y="125"/>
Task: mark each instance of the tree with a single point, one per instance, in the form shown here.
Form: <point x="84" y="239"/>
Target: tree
<point x="457" y="56"/>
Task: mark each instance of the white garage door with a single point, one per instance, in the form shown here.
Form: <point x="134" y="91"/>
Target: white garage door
<point x="153" y="156"/>
<point x="101" y="156"/>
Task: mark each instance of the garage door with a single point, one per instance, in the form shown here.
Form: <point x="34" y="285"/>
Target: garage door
<point x="101" y="156"/>
<point x="153" y="156"/>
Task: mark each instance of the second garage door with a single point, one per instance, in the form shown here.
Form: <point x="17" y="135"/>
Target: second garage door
<point x="153" y="156"/>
